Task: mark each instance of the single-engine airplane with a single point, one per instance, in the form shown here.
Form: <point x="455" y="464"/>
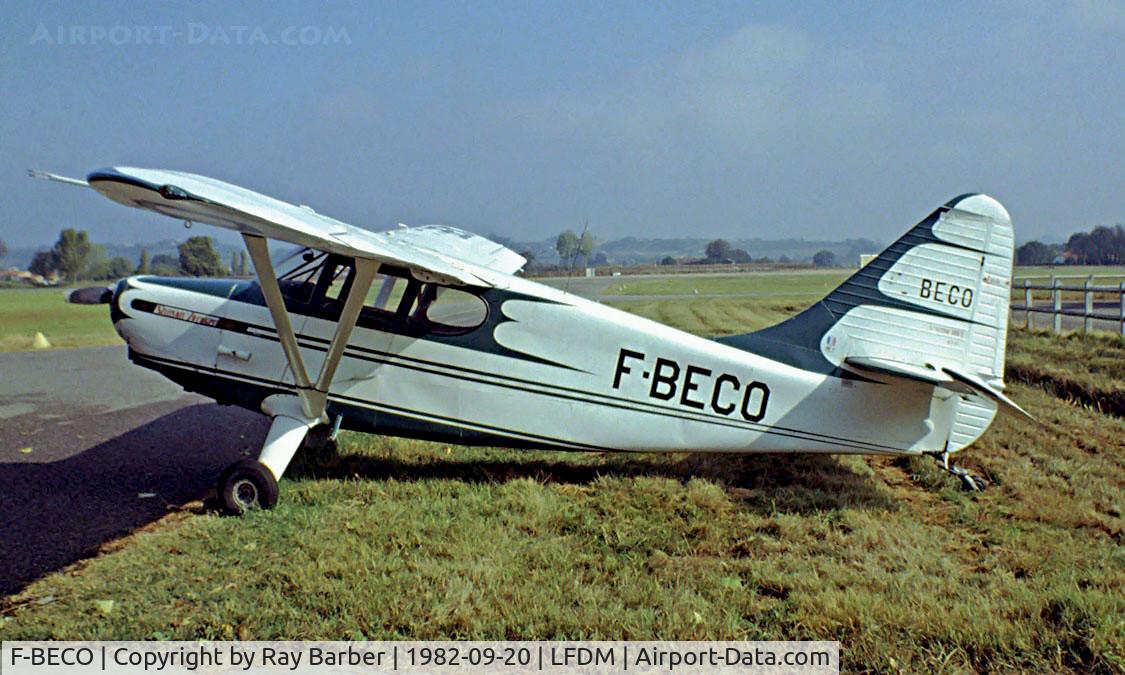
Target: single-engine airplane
<point x="427" y="332"/>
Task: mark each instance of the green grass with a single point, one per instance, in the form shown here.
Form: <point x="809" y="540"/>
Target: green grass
<point x="803" y="288"/>
<point x="815" y="283"/>
<point x="404" y="539"/>
<point x="24" y="311"/>
<point x="1086" y="369"/>
<point x="714" y="316"/>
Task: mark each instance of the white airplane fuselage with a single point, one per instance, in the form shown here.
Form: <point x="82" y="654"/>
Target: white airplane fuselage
<point x="545" y="369"/>
<point x="424" y="332"/>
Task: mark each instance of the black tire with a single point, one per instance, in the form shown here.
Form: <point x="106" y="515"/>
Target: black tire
<point x="245" y="485"/>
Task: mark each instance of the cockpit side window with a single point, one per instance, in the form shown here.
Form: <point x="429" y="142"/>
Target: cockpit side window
<point x="396" y="302"/>
<point x="335" y="279"/>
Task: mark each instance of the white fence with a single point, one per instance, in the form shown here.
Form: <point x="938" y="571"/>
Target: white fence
<point x="1100" y="303"/>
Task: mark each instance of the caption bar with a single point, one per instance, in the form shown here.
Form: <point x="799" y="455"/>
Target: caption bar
<point x="419" y="657"/>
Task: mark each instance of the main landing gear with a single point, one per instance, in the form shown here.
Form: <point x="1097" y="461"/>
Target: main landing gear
<point x="252" y="484"/>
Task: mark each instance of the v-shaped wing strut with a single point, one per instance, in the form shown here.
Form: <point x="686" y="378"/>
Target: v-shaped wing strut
<point x="294" y="416"/>
<point x="313" y="395"/>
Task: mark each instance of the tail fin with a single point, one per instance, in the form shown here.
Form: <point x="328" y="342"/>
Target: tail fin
<point x="936" y="298"/>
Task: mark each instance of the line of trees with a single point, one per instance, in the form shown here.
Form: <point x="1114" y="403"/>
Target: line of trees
<point x="75" y="258"/>
<point x="721" y="252"/>
<point x="1103" y="245"/>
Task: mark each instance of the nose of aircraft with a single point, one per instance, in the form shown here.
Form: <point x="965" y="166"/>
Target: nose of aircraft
<point x="102" y="295"/>
<point x="115" y="313"/>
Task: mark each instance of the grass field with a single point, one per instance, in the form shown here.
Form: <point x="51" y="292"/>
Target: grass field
<point x="813" y="283"/>
<point x="23" y="311"/>
<point x="807" y="286"/>
<point x="405" y="539"/>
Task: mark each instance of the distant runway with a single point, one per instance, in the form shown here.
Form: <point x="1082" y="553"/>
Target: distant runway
<point x="586" y="287"/>
<point x="93" y="447"/>
<point x="594" y="288"/>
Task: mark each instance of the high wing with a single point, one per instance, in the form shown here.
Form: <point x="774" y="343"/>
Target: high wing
<point x="432" y="252"/>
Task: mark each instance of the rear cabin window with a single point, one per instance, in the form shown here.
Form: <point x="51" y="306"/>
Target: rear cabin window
<point x="452" y="310"/>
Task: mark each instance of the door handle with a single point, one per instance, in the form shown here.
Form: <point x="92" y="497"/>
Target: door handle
<point x="240" y="354"/>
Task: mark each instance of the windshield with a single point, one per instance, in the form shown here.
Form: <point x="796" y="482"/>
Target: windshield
<point x="395" y="301"/>
<point x="289" y="258"/>
<point x="301" y="272"/>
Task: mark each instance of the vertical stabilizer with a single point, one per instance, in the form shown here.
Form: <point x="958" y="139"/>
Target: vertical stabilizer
<point x="936" y="298"/>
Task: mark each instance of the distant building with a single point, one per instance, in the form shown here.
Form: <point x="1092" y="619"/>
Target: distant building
<point x="865" y="258"/>
<point x="14" y="274"/>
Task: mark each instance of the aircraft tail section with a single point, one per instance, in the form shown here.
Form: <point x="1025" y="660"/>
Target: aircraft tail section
<point x="935" y="301"/>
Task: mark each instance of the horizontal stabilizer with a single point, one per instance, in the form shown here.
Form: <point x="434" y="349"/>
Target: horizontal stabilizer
<point x="946" y="378"/>
<point x="902" y="370"/>
<point x="988" y="391"/>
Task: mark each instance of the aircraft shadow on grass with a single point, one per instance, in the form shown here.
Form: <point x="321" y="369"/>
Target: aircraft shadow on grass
<point x="761" y="483"/>
<point x="57" y="513"/>
<point x="52" y="514"/>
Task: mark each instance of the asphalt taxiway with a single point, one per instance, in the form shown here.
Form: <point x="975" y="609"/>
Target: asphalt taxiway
<point x="93" y="447"/>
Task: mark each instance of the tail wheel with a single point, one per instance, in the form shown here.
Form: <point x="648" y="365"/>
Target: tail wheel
<point x="247" y="485"/>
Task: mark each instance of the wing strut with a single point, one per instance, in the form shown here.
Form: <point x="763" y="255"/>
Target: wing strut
<point x="364" y="274"/>
<point x="314" y="396"/>
<point x="313" y="406"/>
<point x="293" y="416"/>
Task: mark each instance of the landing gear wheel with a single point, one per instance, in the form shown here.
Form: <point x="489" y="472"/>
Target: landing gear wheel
<point x="970" y="482"/>
<point x="245" y="485"/>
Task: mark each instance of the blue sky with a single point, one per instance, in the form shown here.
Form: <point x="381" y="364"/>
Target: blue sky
<point x="821" y="120"/>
